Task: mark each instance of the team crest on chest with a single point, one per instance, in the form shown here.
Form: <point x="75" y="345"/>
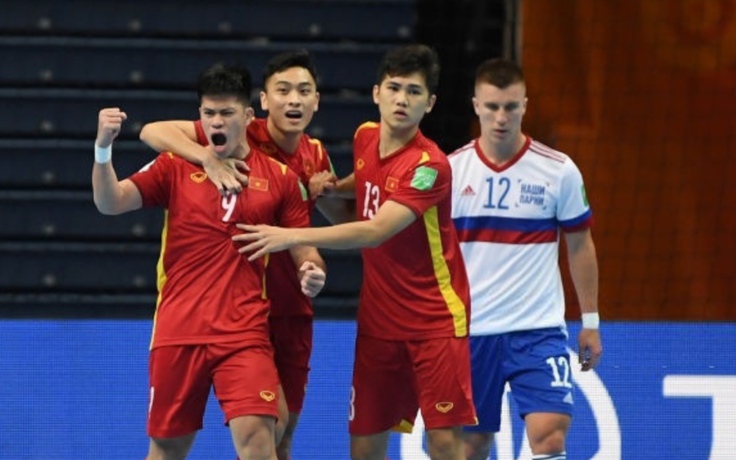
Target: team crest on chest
<point x="392" y="184"/>
<point x="268" y="148"/>
<point x="198" y="177"/>
<point x="258" y="183"/>
<point x="309" y="166"/>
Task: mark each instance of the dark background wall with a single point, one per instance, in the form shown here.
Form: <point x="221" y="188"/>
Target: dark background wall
<point x="639" y="94"/>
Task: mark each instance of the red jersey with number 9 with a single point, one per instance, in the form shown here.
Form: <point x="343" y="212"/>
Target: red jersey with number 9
<point x="208" y="291"/>
<point x="310" y="157"/>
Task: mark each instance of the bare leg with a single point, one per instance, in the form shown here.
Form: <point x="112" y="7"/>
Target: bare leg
<point x="253" y="437"/>
<point x="478" y="445"/>
<point x="371" y="447"/>
<point x="547" y="432"/>
<point x="170" y="448"/>
<point x="283" y="448"/>
<point x="283" y="422"/>
<point x="446" y="443"/>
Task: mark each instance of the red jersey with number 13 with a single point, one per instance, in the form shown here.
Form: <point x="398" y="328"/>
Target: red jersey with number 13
<point x="414" y="284"/>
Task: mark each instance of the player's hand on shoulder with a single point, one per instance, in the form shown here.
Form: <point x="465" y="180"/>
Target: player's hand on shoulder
<point x="228" y="175"/>
<point x="312" y="279"/>
<point x="109" y="122"/>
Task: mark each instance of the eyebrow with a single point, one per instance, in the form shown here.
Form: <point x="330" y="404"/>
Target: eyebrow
<point x="223" y="109"/>
<point x="507" y="104"/>
<point x="299" y="83"/>
<point x="408" y="85"/>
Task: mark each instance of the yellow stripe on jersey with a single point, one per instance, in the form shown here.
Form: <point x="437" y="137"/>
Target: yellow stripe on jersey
<point x="160" y="272"/>
<point x="283" y="167"/>
<point x="425" y="158"/>
<point x="442" y="272"/>
<point x="367" y="124"/>
<point x="264" y="289"/>
<point x="318" y="143"/>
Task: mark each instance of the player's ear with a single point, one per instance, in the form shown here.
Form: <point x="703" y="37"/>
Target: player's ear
<point x="476" y="105"/>
<point x="249" y="115"/>
<point x="430" y="103"/>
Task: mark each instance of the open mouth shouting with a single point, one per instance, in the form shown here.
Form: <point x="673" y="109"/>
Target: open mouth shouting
<point x="218" y="141"/>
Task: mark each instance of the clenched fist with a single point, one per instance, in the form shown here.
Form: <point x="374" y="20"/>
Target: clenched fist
<point x="108" y="125"/>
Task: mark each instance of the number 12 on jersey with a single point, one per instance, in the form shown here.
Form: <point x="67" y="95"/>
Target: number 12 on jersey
<point x="497" y="195"/>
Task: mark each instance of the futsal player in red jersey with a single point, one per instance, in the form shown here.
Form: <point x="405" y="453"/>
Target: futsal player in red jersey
<point x="412" y="345"/>
<point x="211" y="323"/>
<point x="290" y="97"/>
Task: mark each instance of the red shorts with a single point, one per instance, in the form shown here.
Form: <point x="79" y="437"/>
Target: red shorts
<point x="291" y="337"/>
<point x="392" y="379"/>
<point x="244" y="379"/>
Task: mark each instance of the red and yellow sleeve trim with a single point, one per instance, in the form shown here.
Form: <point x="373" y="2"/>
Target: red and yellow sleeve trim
<point x="366" y="125"/>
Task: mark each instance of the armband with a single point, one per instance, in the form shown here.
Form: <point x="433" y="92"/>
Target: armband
<point x="103" y="154"/>
<point x="591" y="320"/>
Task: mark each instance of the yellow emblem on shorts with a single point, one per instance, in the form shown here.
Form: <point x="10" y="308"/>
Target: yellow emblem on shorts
<point x="444" y="407"/>
<point x="267" y="395"/>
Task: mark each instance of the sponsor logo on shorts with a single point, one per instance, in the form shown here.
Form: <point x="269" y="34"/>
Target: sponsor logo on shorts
<point x="267" y="395"/>
<point x="444" y="407"/>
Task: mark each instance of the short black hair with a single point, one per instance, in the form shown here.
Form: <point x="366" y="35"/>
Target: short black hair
<point x="225" y="80"/>
<point x="287" y="60"/>
<point x="408" y="59"/>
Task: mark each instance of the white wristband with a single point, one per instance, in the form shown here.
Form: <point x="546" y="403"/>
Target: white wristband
<point x="591" y="320"/>
<point x="103" y="154"/>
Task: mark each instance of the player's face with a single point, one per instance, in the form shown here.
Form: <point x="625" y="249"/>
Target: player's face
<point x="290" y="98"/>
<point x="403" y="100"/>
<point x="500" y="111"/>
<point x="224" y="120"/>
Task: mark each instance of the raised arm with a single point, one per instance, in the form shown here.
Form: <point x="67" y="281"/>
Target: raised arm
<point x="180" y="138"/>
<point x="111" y="196"/>
<point x="584" y="272"/>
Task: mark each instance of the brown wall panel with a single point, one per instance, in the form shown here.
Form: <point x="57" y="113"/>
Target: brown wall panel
<point x="642" y="94"/>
